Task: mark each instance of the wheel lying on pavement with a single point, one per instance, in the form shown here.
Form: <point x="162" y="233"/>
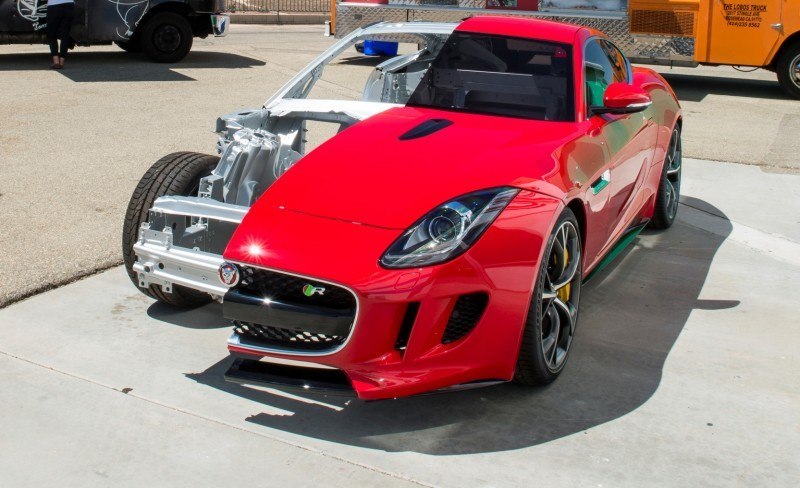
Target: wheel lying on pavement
<point x="553" y="312"/>
<point x="175" y="174"/>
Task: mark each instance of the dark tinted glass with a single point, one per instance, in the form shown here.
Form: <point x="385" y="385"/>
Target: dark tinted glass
<point x="500" y="76"/>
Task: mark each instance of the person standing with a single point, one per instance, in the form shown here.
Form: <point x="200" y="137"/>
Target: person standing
<point x="60" y="14"/>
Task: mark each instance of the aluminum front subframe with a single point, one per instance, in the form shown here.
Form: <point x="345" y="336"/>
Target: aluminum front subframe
<point x="160" y="262"/>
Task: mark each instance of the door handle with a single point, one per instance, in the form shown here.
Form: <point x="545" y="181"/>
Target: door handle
<point x="602" y="182"/>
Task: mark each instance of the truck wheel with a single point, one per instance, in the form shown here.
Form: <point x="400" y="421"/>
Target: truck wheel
<point x="788" y="69"/>
<point x="175" y="174"/>
<point x="129" y="46"/>
<point x="166" y="38"/>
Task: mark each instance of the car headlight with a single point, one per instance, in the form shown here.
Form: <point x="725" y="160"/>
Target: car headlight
<point x="448" y="230"/>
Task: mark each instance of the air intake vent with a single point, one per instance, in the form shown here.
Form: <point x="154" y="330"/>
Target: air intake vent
<point x="405" y="327"/>
<point x="665" y="22"/>
<point x="465" y="316"/>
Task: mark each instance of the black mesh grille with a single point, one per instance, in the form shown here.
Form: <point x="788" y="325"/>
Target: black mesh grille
<point x="265" y="335"/>
<point x="466" y="313"/>
<point x="289" y="289"/>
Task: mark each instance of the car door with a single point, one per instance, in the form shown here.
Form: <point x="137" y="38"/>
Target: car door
<point x="628" y="137"/>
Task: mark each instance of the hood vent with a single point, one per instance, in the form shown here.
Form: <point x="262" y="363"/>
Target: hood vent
<point x="426" y="128"/>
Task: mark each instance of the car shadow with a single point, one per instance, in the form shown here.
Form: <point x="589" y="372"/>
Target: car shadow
<point x="694" y="88"/>
<point x="109" y="66"/>
<point x="632" y="313"/>
<point x="205" y="317"/>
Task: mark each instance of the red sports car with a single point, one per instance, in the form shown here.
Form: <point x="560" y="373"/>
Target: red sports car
<point x="442" y="243"/>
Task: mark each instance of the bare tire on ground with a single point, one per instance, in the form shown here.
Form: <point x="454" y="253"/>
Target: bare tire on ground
<point x="129" y="46"/>
<point x="669" y="188"/>
<point x="788" y="69"/>
<point x="166" y="37"/>
<point x="553" y="312"/>
<point x="175" y="174"/>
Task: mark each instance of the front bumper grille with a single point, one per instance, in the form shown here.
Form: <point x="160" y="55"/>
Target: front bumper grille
<point x="289" y="289"/>
<point x="267" y="336"/>
<point x="289" y="313"/>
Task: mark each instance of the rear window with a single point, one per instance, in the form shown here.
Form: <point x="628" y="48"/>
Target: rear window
<point x="500" y="75"/>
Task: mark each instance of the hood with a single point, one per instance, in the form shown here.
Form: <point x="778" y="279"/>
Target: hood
<point x="394" y="167"/>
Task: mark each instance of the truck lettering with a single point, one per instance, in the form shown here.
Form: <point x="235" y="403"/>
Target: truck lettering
<point x="747" y="15"/>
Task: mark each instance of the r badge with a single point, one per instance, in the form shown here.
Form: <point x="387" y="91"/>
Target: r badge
<point x="309" y="290"/>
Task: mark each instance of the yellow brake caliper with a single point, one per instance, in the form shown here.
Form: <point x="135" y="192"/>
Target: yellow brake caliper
<point x="563" y="292"/>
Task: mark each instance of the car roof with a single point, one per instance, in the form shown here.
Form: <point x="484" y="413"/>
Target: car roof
<point x="526" y="28"/>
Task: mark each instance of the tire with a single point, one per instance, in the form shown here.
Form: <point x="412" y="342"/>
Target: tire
<point x="166" y="38"/>
<point x="553" y="312"/>
<point x="669" y="187"/>
<point x="129" y="46"/>
<point x="788" y="70"/>
<point x="175" y="174"/>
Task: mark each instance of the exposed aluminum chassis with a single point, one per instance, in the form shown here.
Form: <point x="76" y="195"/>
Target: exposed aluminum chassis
<point x="171" y="249"/>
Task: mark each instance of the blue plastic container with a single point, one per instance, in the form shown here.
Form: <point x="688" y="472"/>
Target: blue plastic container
<point x="380" y="48"/>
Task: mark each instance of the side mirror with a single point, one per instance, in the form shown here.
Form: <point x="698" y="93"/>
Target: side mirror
<point x="622" y="98"/>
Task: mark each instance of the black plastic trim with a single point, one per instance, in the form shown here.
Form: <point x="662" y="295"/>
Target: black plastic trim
<point x="318" y="320"/>
<point x="426" y="128"/>
<point x="290" y="378"/>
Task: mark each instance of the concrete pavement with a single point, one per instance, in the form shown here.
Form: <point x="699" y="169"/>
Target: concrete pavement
<point x="684" y="373"/>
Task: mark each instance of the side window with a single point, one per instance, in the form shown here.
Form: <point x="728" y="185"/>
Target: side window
<point x="617" y="62"/>
<point x="598" y="72"/>
<point x="603" y="65"/>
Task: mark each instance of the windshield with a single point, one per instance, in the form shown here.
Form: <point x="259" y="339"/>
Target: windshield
<point x="500" y="76"/>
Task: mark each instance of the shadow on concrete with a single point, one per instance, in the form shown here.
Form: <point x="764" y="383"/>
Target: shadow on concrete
<point x="205" y="317"/>
<point x="362" y="60"/>
<point x="694" y="88"/>
<point x="631" y="316"/>
<point x="108" y="66"/>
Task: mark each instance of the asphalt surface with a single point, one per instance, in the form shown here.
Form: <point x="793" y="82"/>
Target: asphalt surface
<point x="684" y="370"/>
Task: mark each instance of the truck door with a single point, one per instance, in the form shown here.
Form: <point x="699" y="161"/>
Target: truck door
<point x="29" y="18"/>
<point x="742" y="32"/>
<point x="20" y="16"/>
<point x="115" y="20"/>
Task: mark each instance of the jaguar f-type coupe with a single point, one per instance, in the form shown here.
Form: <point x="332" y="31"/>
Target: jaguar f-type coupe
<point x="439" y="239"/>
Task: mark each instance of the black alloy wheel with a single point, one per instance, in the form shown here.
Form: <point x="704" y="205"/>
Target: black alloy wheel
<point x="669" y="189"/>
<point x="553" y="313"/>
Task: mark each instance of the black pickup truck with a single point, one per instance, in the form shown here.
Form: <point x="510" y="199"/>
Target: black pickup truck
<point x="162" y="29"/>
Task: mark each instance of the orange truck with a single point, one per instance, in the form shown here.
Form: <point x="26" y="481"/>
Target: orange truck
<point x="752" y="33"/>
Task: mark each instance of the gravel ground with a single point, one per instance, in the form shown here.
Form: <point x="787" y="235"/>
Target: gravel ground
<point x="73" y="144"/>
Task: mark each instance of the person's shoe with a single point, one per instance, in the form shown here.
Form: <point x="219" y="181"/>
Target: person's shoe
<point x="56" y="66"/>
